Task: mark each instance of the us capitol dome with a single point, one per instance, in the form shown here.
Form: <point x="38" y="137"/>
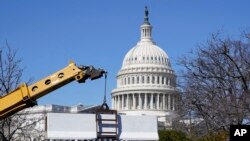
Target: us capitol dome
<point x="146" y="83"/>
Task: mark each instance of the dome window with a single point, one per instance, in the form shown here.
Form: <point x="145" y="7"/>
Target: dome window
<point x="143" y="58"/>
<point x="133" y="80"/>
<point x="147" y="79"/>
<point x="142" y="79"/>
<point x="152" y="58"/>
<point x="159" y="58"/>
<point x="135" y="58"/>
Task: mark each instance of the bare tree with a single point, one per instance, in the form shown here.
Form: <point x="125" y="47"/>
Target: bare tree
<point x="216" y="81"/>
<point x="15" y="126"/>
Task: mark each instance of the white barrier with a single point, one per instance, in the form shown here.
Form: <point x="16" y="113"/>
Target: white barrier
<point x="71" y="126"/>
<point x="138" y="128"/>
<point x="83" y="126"/>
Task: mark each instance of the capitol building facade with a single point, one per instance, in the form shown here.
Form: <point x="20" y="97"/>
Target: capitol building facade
<point x="146" y="83"/>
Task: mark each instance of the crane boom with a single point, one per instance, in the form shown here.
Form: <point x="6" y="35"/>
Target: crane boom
<point x="25" y="96"/>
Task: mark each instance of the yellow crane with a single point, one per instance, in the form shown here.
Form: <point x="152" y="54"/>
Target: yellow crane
<point x="25" y="96"/>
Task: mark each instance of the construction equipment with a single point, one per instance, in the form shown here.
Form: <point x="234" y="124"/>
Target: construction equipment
<point x="25" y="96"/>
<point x="106" y="123"/>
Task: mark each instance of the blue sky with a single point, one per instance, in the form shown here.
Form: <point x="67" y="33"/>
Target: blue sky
<point x="48" y="34"/>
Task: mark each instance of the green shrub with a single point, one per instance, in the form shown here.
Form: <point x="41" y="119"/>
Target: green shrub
<point x="172" y="135"/>
<point x="219" y="136"/>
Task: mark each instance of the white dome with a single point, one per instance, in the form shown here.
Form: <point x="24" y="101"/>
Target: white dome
<point x="146" y="83"/>
<point x="146" y="54"/>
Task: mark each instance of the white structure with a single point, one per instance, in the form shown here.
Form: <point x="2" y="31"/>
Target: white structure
<point x="146" y="83"/>
<point x="79" y="123"/>
<point x="79" y="127"/>
<point x="34" y="127"/>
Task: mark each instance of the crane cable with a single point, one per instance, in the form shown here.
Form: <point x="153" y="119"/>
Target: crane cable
<point x="105" y="89"/>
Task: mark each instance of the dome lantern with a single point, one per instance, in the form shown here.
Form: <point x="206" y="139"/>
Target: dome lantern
<point x="146" y="28"/>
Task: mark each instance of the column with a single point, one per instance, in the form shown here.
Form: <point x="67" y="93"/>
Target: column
<point x="163" y="102"/>
<point x="131" y="83"/>
<point x="151" y="101"/>
<point x="133" y="101"/>
<point x="160" y="81"/>
<point x="166" y="101"/>
<point x="122" y="101"/>
<point x="173" y="103"/>
<point x="158" y="102"/>
<point x="169" y="106"/>
<point x="140" y="102"/>
<point x="118" y="102"/>
<point x="116" y="107"/>
<point x="145" y="101"/>
<point x="127" y="101"/>
<point x="113" y="102"/>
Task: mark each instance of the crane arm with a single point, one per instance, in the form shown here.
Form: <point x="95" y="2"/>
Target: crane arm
<point x="25" y="96"/>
